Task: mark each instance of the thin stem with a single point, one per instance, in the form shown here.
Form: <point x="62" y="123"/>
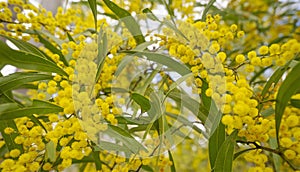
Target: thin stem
<point x="276" y="151"/>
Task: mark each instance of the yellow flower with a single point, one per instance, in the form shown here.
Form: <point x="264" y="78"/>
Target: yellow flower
<point x="274" y="49"/>
<point x="286" y="142"/>
<point x="24" y="158"/>
<point x="251" y="54"/>
<point x="267" y="61"/>
<point x="14" y="153"/>
<point x="240" y="58"/>
<point x="53" y="118"/>
<point x="240" y="34"/>
<point x="289" y="154"/>
<point x="34" y="166"/>
<point x="7" y="163"/>
<point x="255" y="61"/>
<point x="221" y="56"/>
<point x="19" y="140"/>
<point x="8" y="130"/>
<point x="47" y="166"/>
<point x="263" y="50"/>
<point x="249" y="68"/>
<point x="227" y="120"/>
<point x="292" y="120"/>
<point x="233" y="27"/>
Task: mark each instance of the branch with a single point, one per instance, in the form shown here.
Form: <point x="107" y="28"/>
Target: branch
<point x="276" y="151"/>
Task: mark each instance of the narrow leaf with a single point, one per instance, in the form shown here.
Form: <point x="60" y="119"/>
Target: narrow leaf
<point x="191" y="104"/>
<point x="273" y="80"/>
<point x="26" y="60"/>
<point x="142" y="101"/>
<point x="276" y="158"/>
<point x="11" y="110"/>
<point x="9" y="138"/>
<point x="289" y="87"/>
<point x="93" y="6"/>
<point x="50" y="151"/>
<point x="52" y="48"/>
<point x="16" y="80"/>
<point x="128" y="20"/>
<point x="225" y="155"/>
<point x="98" y="163"/>
<point x="215" y="142"/>
<point x="124" y="62"/>
<point x="164" y="60"/>
<point x="184" y="121"/>
<point x="125" y="137"/>
<point x="147" y="168"/>
<point x="295" y="103"/>
<point x="236" y="155"/>
<point x="109" y="146"/>
<point x="102" y="51"/>
<point x="27" y="47"/>
<point x="70" y="37"/>
<point x="173" y="169"/>
<point x="207" y="7"/>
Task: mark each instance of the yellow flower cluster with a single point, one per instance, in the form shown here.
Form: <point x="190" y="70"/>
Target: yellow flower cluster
<point x="211" y="49"/>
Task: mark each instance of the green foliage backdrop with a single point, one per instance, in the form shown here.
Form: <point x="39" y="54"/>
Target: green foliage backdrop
<point x="118" y="86"/>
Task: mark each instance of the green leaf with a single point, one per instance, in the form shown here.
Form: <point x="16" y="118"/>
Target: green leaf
<point x="109" y="15"/>
<point x="98" y="163"/>
<point x="70" y="37"/>
<point x="210" y="4"/>
<point x="268" y="112"/>
<point x="124" y="62"/>
<point x="18" y="79"/>
<point x="236" y="155"/>
<point x="150" y="14"/>
<point x="6" y="99"/>
<point x="225" y="155"/>
<point x="276" y="158"/>
<point x="273" y="80"/>
<point x="191" y="104"/>
<point x="173" y="169"/>
<point x="215" y="142"/>
<point x="27" y="47"/>
<point x="184" y="121"/>
<point x="169" y="9"/>
<point x="93" y="6"/>
<point x="52" y="48"/>
<point x="102" y="51"/>
<point x="9" y="138"/>
<point x="169" y="24"/>
<point x="147" y="168"/>
<point x="258" y="74"/>
<point x="11" y="110"/>
<point x="36" y="121"/>
<point x="213" y="119"/>
<point x="295" y="103"/>
<point x="3" y="150"/>
<point x="180" y="68"/>
<point x="50" y="151"/>
<point x="128" y="20"/>
<point x="27" y="60"/>
<point x="109" y="146"/>
<point x="123" y="136"/>
<point x="143" y="46"/>
<point x="205" y="100"/>
<point x="180" y="80"/>
<point x="135" y="121"/>
<point x="289" y="86"/>
<point x="142" y="101"/>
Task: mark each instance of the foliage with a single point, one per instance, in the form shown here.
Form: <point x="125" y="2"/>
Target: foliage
<point x="116" y="86"/>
